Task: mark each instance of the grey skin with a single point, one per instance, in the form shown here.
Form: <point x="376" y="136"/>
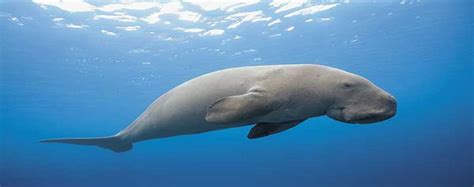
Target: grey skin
<point x="274" y="97"/>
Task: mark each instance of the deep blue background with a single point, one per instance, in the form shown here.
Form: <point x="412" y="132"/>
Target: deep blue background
<point x="58" y="82"/>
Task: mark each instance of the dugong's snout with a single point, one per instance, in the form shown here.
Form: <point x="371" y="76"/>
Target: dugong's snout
<point x="386" y="110"/>
<point x="391" y="107"/>
<point x="365" y="110"/>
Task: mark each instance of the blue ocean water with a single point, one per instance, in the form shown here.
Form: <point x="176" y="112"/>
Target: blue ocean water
<point x="85" y="69"/>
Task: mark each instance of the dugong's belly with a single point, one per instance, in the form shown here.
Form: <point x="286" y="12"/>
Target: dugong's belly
<point x="182" y="110"/>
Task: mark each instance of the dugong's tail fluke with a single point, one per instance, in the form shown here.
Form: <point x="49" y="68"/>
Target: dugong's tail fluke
<point x="113" y="143"/>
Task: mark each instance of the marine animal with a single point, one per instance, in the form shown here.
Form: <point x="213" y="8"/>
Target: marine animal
<point x="273" y="97"/>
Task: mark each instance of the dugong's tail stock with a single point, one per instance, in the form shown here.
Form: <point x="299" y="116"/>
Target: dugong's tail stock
<point x="113" y="143"/>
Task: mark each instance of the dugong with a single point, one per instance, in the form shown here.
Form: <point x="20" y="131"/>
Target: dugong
<point x="273" y="97"/>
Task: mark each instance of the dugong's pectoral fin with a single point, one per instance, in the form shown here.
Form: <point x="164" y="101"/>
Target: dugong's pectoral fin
<point x="266" y="129"/>
<point x="241" y="108"/>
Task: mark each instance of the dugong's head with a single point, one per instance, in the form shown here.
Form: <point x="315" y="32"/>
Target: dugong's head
<point x="355" y="99"/>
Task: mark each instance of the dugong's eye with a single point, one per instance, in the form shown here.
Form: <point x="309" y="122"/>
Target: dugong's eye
<point x="347" y="85"/>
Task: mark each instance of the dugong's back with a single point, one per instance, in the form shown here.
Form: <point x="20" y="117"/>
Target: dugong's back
<point x="182" y="110"/>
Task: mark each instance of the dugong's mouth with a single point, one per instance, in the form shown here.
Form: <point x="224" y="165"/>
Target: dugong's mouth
<point x="368" y="118"/>
<point x="372" y="117"/>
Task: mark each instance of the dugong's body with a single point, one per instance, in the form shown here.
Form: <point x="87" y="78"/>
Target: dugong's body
<point x="275" y="97"/>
